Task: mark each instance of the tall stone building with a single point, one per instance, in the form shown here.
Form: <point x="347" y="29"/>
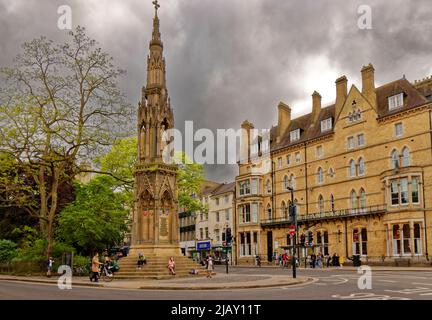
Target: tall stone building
<point x="155" y="221"/>
<point x="361" y="171"/>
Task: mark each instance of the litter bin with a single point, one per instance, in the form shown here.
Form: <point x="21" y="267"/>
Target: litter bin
<point x="356" y="260"/>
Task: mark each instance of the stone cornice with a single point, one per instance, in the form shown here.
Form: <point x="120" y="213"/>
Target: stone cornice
<point x="403" y="113"/>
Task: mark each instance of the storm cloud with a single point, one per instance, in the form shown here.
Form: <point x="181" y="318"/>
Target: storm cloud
<point x="231" y="60"/>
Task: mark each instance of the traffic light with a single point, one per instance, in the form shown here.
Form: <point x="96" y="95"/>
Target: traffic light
<point x="303" y="240"/>
<point x="310" y="238"/>
<point x="228" y="235"/>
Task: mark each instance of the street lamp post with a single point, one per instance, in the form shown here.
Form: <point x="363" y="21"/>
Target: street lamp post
<point x="294" y="221"/>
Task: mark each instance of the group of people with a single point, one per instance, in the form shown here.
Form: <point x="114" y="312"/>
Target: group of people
<point x="142" y="260"/>
<point x="284" y="260"/>
<point x="314" y="260"/>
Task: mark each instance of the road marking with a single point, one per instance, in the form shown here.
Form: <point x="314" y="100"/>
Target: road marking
<point x="412" y="291"/>
<point x="392" y="281"/>
<point x="367" y="296"/>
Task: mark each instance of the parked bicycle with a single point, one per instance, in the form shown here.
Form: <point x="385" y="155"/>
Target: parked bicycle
<point x="106" y="273"/>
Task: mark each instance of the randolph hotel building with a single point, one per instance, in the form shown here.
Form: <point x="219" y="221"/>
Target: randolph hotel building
<point x="361" y="171"/>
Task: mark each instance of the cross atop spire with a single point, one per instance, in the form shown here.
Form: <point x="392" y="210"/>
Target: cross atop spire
<point x="156" y="34"/>
<point x="156" y="5"/>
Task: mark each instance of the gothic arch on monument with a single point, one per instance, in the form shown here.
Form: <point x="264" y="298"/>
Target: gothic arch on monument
<point x="155" y="227"/>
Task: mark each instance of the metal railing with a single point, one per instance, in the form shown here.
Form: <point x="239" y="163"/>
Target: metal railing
<point x="327" y="215"/>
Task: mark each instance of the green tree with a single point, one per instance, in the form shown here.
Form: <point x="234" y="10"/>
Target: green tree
<point x="7" y="250"/>
<point x="60" y="106"/>
<point x="96" y="219"/>
<point x="190" y="176"/>
<point x="120" y="161"/>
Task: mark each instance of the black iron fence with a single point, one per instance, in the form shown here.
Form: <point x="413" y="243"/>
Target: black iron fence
<point x="335" y="214"/>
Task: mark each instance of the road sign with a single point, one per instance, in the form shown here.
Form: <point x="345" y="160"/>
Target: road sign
<point x="292" y="230"/>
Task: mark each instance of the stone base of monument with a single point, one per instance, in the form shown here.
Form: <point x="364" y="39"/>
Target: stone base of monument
<point x="160" y="250"/>
<point x="157" y="263"/>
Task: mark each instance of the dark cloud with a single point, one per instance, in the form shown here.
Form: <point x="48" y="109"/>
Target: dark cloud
<point x="230" y="60"/>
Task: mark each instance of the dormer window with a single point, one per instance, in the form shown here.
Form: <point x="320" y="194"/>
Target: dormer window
<point x="326" y="125"/>
<point x="395" y="101"/>
<point x="295" y="135"/>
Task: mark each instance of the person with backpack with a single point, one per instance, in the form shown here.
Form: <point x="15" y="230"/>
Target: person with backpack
<point x="50" y="265"/>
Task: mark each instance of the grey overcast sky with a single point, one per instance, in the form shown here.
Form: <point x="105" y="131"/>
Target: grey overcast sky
<point x="231" y="60"/>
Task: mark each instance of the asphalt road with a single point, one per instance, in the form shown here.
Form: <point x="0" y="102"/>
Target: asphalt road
<point x="330" y="284"/>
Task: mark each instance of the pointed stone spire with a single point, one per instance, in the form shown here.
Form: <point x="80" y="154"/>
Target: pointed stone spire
<point x="155" y="115"/>
<point x="156" y="37"/>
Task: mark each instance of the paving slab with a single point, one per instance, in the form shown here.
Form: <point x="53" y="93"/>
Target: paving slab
<point x="217" y="282"/>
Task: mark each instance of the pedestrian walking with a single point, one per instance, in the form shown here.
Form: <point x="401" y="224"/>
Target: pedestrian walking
<point x="95" y="268"/>
<point x="329" y="260"/>
<point x="209" y="266"/>
<point x="335" y="260"/>
<point x="341" y="261"/>
<point x="319" y="260"/>
<point x="50" y="264"/>
<point x="313" y="260"/>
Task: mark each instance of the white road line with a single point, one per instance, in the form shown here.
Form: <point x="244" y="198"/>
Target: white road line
<point x="392" y="281"/>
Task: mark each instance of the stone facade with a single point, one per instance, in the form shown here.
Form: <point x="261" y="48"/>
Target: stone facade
<point x="155" y="227"/>
<point x="213" y="224"/>
<point x="361" y="170"/>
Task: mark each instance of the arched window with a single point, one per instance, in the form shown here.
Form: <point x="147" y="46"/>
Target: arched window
<point x="284" y="210"/>
<point x="332" y="203"/>
<point x="269" y="212"/>
<point x="395" y="159"/>
<point x="321" y="203"/>
<point x="331" y="172"/>
<point x="286" y="183"/>
<point x="268" y="186"/>
<point x="353" y="199"/>
<point x="352" y="168"/>
<point x="405" y="157"/>
<point x="362" y="198"/>
<point x="320" y="175"/>
<point x="361" y="167"/>
<point x="293" y="181"/>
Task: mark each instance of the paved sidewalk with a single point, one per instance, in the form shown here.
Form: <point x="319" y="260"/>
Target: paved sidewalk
<point x="219" y="281"/>
<point x="348" y="268"/>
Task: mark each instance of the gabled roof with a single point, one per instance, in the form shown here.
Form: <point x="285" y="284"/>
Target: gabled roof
<point x="207" y="187"/>
<point x="224" y="188"/>
<point x="307" y="130"/>
<point x="414" y="97"/>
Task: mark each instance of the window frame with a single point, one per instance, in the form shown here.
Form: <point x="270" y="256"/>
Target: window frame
<point x="394" y="99"/>
<point x="399" y="124"/>
<point x="352" y="145"/>
<point x="294" y="135"/>
<point x="362" y="140"/>
<point x="326" y="124"/>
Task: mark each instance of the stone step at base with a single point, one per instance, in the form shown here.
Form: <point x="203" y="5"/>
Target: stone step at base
<point x="160" y="265"/>
<point x="122" y="271"/>
<point x="159" y="277"/>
